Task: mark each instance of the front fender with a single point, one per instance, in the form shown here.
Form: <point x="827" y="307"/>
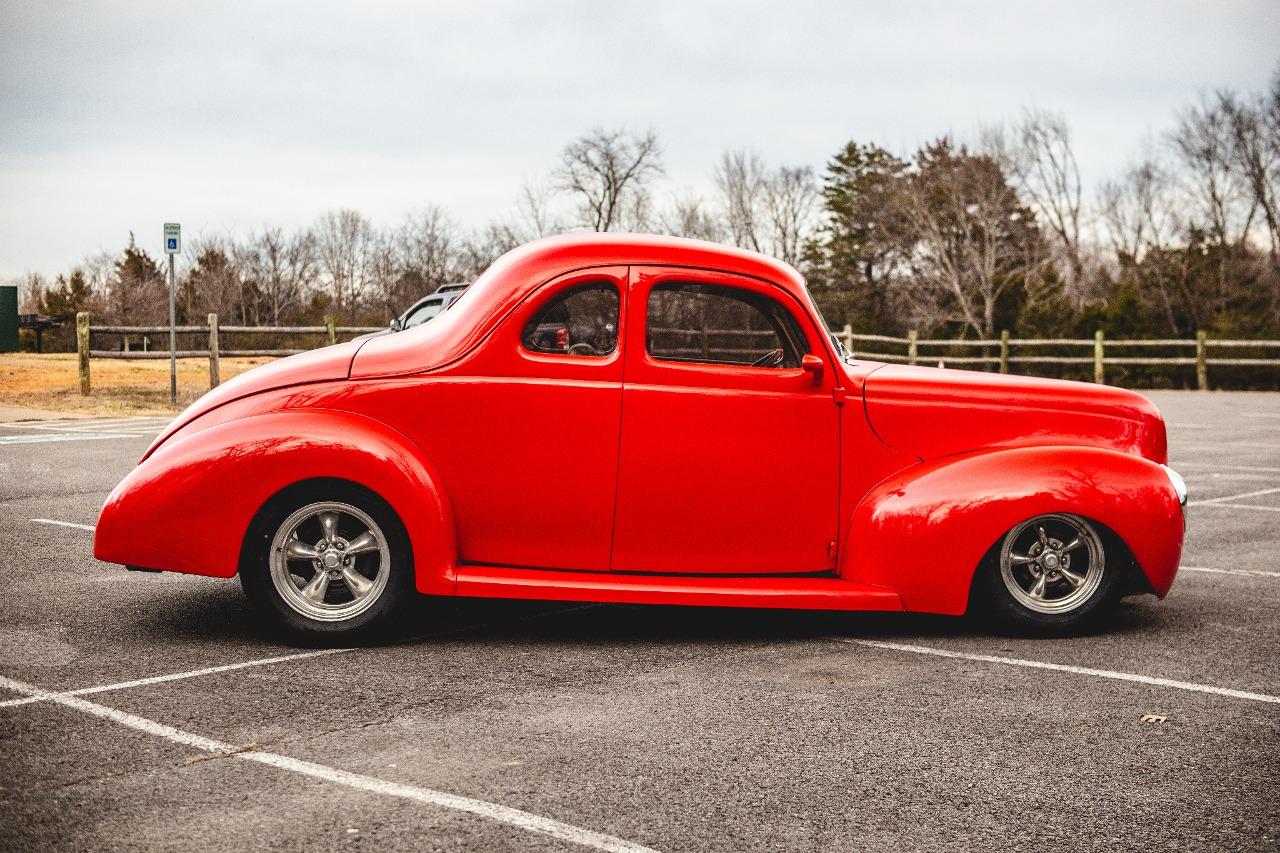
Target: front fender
<point x="924" y="531"/>
<point x="187" y="507"/>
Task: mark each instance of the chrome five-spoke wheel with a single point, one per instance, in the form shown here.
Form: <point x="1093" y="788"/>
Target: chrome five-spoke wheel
<point x="329" y="561"/>
<point x="1052" y="564"/>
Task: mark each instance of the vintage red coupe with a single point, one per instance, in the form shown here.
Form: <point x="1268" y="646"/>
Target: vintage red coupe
<point x="643" y="419"/>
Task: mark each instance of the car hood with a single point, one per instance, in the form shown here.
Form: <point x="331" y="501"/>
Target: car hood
<point x="326" y="364"/>
<point x="933" y="412"/>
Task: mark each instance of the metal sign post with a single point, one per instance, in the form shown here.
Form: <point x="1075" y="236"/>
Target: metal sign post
<point x="172" y="246"/>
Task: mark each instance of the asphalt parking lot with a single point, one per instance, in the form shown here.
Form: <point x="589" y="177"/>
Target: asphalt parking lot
<point x="180" y="722"/>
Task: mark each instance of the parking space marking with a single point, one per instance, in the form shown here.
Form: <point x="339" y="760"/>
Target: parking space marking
<point x="1241" y="506"/>
<point x="1250" y="572"/>
<point x="177" y="676"/>
<point x="1258" y="468"/>
<point x="493" y="811"/>
<point x="54" y="521"/>
<point x="1060" y="667"/>
<point x="1255" y="493"/>
<point x="41" y="438"/>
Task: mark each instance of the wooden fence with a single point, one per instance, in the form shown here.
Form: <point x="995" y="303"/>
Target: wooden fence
<point x="1003" y="358"/>
<point x="916" y="350"/>
<point x="327" y="334"/>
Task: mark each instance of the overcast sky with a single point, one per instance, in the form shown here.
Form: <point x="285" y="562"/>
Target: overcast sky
<point x="119" y="116"/>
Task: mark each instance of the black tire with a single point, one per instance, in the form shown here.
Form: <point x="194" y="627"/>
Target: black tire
<point x="389" y="597"/>
<point x="1076" y="606"/>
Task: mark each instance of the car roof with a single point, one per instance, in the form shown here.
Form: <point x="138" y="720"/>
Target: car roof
<point x="523" y="270"/>
<point x="535" y="262"/>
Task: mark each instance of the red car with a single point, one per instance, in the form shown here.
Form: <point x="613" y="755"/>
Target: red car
<point x="651" y="420"/>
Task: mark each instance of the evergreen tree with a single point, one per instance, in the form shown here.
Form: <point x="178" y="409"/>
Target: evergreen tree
<point x="71" y="295"/>
<point x="137" y="290"/>
<point x="863" y="238"/>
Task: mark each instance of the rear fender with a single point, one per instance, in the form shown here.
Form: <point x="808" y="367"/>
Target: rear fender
<point x="187" y="507"/>
<point x="924" y="531"/>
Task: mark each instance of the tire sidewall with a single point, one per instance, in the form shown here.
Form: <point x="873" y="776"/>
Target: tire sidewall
<point x="997" y="604"/>
<point x="255" y="569"/>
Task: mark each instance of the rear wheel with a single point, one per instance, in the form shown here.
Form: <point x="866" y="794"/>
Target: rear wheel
<point x="327" y="559"/>
<point x="1049" y="574"/>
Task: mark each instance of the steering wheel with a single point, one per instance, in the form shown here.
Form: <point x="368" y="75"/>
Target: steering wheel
<point x="582" y="348"/>
<point x="772" y="358"/>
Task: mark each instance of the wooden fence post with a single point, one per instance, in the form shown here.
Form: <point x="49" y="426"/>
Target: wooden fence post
<point x="332" y="323"/>
<point x="82" y="347"/>
<point x="847" y="337"/>
<point x="215" y="372"/>
<point x="1099" y="373"/>
<point x="1202" y="367"/>
<point x="913" y="349"/>
<point x="1004" y="350"/>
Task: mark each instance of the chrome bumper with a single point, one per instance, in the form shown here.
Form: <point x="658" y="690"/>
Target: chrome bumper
<point x="1179" y="486"/>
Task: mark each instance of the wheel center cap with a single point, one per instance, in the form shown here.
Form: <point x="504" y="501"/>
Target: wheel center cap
<point x="330" y="560"/>
<point x="1050" y="561"/>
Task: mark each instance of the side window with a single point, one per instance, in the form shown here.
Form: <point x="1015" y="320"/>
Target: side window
<point x="424" y="313"/>
<point x="582" y="321"/>
<point x="721" y="325"/>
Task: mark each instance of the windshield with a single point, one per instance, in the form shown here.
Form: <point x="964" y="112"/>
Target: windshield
<point x="422" y="313"/>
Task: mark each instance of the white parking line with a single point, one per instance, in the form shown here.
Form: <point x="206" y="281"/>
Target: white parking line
<point x="503" y="814"/>
<point x="1249" y="572"/>
<point x="177" y="676"/>
<point x="1259" y="468"/>
<point x="54" y="521"/>
<point x="1245" y="506"/>
<point x="61" y="436"/>
<point x="1059" y="667"/>
<point x="1225" y="498"/>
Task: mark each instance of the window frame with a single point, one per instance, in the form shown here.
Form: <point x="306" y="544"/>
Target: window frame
<point x="795" y="343"/>
<point x="564" y="292"/>
<point x="645" y="370"/>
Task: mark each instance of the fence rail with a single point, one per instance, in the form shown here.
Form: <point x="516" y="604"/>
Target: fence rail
<point x="1202" y="344"/>
<point x="1001" y="348"/>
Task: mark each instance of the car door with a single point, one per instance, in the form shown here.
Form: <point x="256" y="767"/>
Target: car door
<point x="725" y="466"/>
<point x="524" y="432"/>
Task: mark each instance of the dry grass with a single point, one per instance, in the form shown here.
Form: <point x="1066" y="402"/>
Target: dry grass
<point x="52" y="382"/>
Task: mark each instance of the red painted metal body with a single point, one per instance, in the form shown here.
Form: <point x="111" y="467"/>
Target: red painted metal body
<point x="837" y="485"/>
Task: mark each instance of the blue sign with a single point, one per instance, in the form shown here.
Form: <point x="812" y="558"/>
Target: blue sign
<point x="173" y="245"/>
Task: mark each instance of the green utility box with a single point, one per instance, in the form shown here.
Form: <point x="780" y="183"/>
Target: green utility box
<point x="8" y="318"/>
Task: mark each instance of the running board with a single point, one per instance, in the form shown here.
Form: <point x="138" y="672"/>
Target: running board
<point x="801" y="593"/>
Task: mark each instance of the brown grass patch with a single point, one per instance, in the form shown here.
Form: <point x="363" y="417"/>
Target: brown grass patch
<point x="120" y="387"/>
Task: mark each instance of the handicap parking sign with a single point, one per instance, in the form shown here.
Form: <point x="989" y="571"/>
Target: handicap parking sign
<point x="172" y="238"/>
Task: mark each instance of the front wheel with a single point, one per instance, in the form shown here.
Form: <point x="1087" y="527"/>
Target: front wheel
<point x="1049" y="574"/>
<point x="327" y="559"/>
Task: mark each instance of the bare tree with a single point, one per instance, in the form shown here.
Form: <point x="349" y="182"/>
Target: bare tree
<point x="1139" y="212"/>
<point x="31" y="290"/>
<point x="974" y="240"/>
<point x="790" y="203"/>
<point x="1044" y="167"/>
<point x="427" y="245"/>
<point x="688" y="216"/>
<point x="534" y="205"/>
<point x="283" y="269"/>
<point x="1255" y="143"/>
<point x="740" y="178"/>
<point x="608" y="173"/>
<point x="213" y="284"/>
<point x="482" y="248"/>
<point x="343" y="239"/>
<point x="1204" y="146"/>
